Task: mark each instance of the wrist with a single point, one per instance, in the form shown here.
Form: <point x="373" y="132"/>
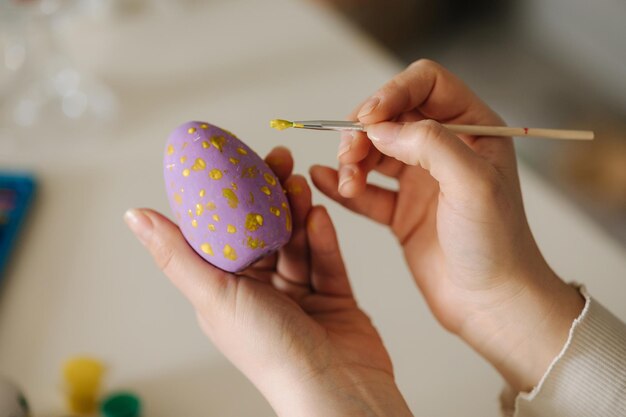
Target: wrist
<point x="522" y="337"/>
<point x="335" y="391"/>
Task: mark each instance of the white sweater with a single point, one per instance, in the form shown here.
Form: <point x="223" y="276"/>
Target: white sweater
<point x="588" y="377"/>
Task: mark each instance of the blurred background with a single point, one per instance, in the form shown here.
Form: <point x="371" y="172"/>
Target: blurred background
<point x="89" y="90"/>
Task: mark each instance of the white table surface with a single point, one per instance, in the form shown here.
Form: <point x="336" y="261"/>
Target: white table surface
<point x="81" y="284"/>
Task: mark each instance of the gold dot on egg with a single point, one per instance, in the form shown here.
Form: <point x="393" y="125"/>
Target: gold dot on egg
<point x="211" y="227"/>
<point x="215" y="174"/>
<point x="170" y="167"/>
<point x="199" y="209"/>
<point x="275" y="211"/>
<point x="229" y="253"/>
<point x="182" y="148"/>
<point x="218" y="142"/>
<point x="211" y="205"/>
<point x="231" y="197"/>
<point x="254" y="221"/>
<point x="255" y="243"/>
<point x="202" y="193"/>
<point x="191" y="130"/>
<point x="190" y="213"/>
<point x="170" y="149"/>
<point x="178" y="198"/>
<point x="204" y="126"/>
<point x="251" y="199"/>
<point x="288" y="224"/>
<point x="199" y="165"/>
<point x="265" y="189"/>
<point x="206" y="144"/>
<point x="216" y="217"/>
<point x="183" y="159"/>
<point x="250" y="172"/>
<point x="270" y="179"/>
<point x="284" y="205"/>
<point x="233" y="186"/>
<point x="186" y="173"/>
<point x="206" y="248"/>
<point x="231" y="229"/>
<point x="233" y="161"/>
<point x="242" y="151"/>
<point x="194" y="223"/>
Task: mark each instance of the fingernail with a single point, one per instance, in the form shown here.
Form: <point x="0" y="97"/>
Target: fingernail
<point x="346" y="174"/>
<point x="368" y="107"/>
<point x="139" y="224"/>
<point x="384" y="132"/>
<point x="345" y="144"/>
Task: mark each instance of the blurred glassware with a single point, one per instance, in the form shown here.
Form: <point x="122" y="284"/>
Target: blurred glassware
<point x="53" y="94"/>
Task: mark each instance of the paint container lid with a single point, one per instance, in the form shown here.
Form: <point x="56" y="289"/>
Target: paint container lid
<point x="121" y="404"/>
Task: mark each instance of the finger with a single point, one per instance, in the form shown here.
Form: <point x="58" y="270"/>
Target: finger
<point x="203" y="284"/>
<point x="428" y="144"/>
<point x="353" y="177"/>
<point x="374" y="202"/>
<point x="354" y="146"/>
<point x="293" y="258"/>
<point x="434" y="91"/>
<point x="328" y="272"/>
<point x="280" y="161"/>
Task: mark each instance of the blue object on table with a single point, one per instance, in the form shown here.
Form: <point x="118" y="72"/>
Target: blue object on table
<point x="16" y="194"/>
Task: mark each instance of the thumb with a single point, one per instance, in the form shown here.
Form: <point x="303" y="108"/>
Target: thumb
<point x="428" y="144"/>
<point x="202" y="284"/>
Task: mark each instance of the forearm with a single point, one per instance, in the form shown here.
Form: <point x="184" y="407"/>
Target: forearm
<point x="335" y="392"/>
<point x="522" y="337"/>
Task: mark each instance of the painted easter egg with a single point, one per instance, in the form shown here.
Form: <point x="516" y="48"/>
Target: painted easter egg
<point x="228" y="203"/>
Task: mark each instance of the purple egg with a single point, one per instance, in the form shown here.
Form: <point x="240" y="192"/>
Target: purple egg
<point x="228" y="203"/>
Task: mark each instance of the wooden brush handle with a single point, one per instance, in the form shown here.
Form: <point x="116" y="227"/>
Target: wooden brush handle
<point x="520" y="131"/>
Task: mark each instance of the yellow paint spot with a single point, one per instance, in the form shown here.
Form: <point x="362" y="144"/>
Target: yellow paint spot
<point x="216" y="217"/>
<point x="233" y="161"/>
<point x="182" y="148"/>
<point x="233" y="186"/>
<point x="254" y="221"/>
<point x="295" y="189"/>
<point x="204" y="126"/>
<point x="206" y="248"/>
<point x="170" y="167"/>
<point x="288" y="224"/>
<point x="270" y="179"/>
<point x="280" y="124"/>
<point x="218" y="142"/>
<point x="178" y="198"/>
<point x="242" y="151"/>
<point x="211" y="205"/>
<point x="229" y="253"/>
<point x="251" y="199"/>
<point x="190" y="213"/>
<point x="199" y="165"/>
<point x="186" y="173"/>
<point x="255" y="243"/>
<point x="199" y="209"/>
<point x="191" y="130"/>
<point x="230" y="195"/>
<point x="202" y="193"/>
<point x="231" y="229"/>
<point x="265" y="189"/>
<point x="183" y="159"/>
<point x="170" y="149"/>
<point x="250" y="172"/>
<point x="211" y="227"/>
<point x="194" y="223"/>
<point x="206" y="144"/>
<point x="275" y="211"/>
<point x="215" y="174"/>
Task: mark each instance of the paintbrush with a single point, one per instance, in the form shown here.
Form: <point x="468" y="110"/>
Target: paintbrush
<point x="474" y="130"/>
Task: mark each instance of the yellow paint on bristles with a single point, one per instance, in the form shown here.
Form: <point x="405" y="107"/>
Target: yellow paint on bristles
<point x="280" y="124"/>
